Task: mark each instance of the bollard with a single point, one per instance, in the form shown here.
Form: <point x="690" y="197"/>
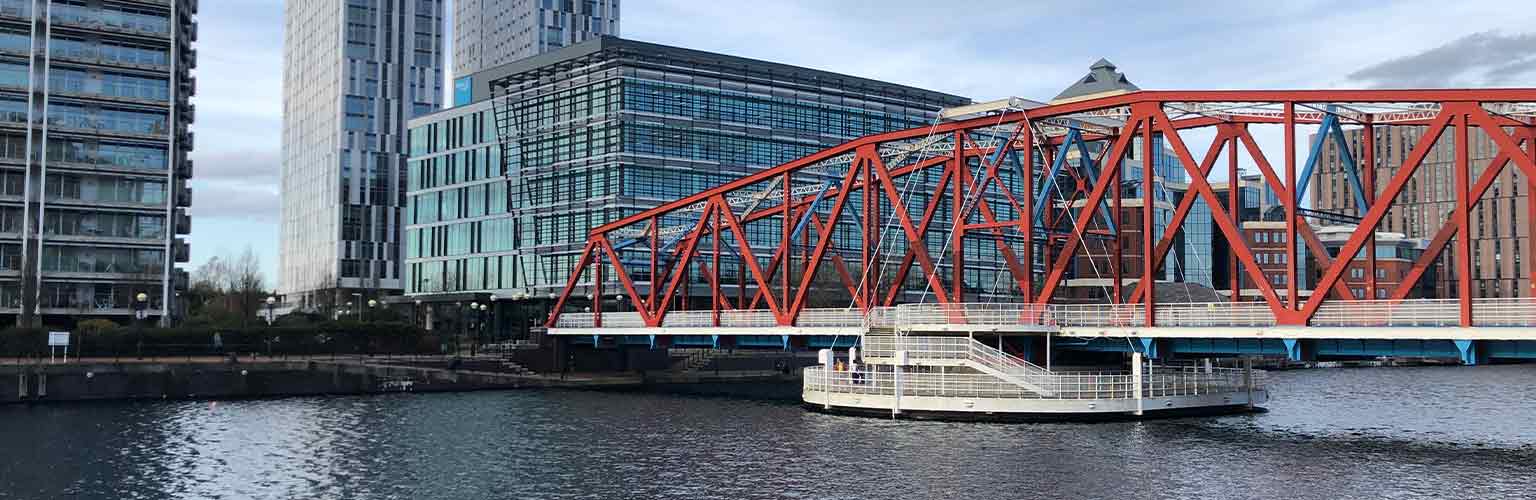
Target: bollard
<point x="1136" y="380"/>
<point x="901" y="362"/>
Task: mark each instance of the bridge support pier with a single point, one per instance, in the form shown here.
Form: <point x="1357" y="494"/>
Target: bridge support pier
<point x="1148" y="347"/>
<point x="1470" y="352"/>
<point x="1292" y="349"/>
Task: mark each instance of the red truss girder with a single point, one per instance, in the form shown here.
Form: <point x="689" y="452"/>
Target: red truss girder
<point x="717" y="229"/>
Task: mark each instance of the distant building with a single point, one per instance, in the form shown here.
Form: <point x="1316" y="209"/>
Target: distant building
<point x="604" y="129"/>
<point x="352" y="77"/>
<point x="1501" y="243"/>
<point x="1190" y="259"/>
<point x="1267" y="241"/>
<point x="94" y="136"/>
<point x="490" y="33"/>
<point x="1395" y="254"/>
<point x="1255" y="199"/>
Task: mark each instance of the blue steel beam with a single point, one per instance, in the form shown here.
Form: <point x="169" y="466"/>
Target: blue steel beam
<point x="1086" y="160"/>
<point x="806" y="219"/>
<point x="1323" y="129"/>
<point x="1350" y="167"/>
<point x="1330" y="126"/>
<point x="1049" y="181"/>
<point x="1074" y="139"/>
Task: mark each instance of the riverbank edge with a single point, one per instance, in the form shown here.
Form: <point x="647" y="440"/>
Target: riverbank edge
<point x="61" y="383"/>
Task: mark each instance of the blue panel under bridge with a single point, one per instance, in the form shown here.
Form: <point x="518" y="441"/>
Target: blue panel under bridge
<point x="1344" y="348"/>
<point x="695" y="340"/>
<point x="1174" y="347"/>
<point x="1507" y="349"/>
<point x="774" y="341"/>
<point x="831" y="341"/>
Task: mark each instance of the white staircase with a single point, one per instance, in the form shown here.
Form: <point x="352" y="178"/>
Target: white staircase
<point x="961" y="351"/>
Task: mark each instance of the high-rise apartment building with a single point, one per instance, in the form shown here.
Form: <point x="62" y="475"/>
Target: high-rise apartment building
<point x="94" y="136"/>
<point x="490" y="33"/>
<point x="1501" y="241"/>
<point x="354" y="72"/>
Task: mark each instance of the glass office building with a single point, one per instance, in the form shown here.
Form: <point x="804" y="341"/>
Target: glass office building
<point x="354" y="71"/>
<point x="604" y="129"/>
<point x="94" y="136"/>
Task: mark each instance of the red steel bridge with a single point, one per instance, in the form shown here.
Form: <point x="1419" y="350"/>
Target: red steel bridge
<point x="848" y="235"/>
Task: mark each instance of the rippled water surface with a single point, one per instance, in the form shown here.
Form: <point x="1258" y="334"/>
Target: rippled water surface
<point x="1447" y="432"/>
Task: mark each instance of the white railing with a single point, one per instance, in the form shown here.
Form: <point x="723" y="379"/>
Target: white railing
<point x="977" y="314"/>
<point x="834" y="317"/>
<point x="1520" y="311"/>
<point x="754" y="318"/>
<point x="1191" y="314"/>
<point x="1493" y="312"/>
<point x="1164" y="382"/>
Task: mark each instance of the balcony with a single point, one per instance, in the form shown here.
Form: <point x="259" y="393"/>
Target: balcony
<point x="183" y="193"/>
<point x="183" y="222"/>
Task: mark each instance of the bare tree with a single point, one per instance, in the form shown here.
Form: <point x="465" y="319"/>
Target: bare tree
<point x="247" y="284"/>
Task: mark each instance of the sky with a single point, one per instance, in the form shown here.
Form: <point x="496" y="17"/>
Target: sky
<point x="979" y="49"/>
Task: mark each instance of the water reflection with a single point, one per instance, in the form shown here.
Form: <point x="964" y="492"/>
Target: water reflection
<point x="1407" y="433"/>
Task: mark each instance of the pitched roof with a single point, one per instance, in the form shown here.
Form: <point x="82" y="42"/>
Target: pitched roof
<point x="1102" y="79"/>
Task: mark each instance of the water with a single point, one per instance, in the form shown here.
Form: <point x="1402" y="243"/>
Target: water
<point x="1349" y="433"/>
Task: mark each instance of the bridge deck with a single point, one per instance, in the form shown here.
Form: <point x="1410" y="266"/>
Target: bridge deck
<point x="1493" y="319"/>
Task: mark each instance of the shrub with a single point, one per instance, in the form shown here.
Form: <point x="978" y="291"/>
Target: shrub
<point x="95" y="326"/>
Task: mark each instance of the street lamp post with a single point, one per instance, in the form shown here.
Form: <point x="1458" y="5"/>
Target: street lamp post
<point x="271" y="303"/>
<point x="140" y="313"/>
<point x="415" y="310"/>
<point x="494" y="320"/>
<point x="474" y="315"/>
<point x="480" y="327"/>
<point x="372" y="304"/>
<point x="359" y="305"/>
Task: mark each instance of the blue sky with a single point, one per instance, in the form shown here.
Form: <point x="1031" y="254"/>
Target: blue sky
<point x="979" y="49"/>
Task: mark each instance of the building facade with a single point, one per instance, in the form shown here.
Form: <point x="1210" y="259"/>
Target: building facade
<point x="354" y="72"/>
<point x="94" y="138"/>
<point x="490" y="33"/>
<point x="1500" y="228"/>
<point x="605" y="129"/>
